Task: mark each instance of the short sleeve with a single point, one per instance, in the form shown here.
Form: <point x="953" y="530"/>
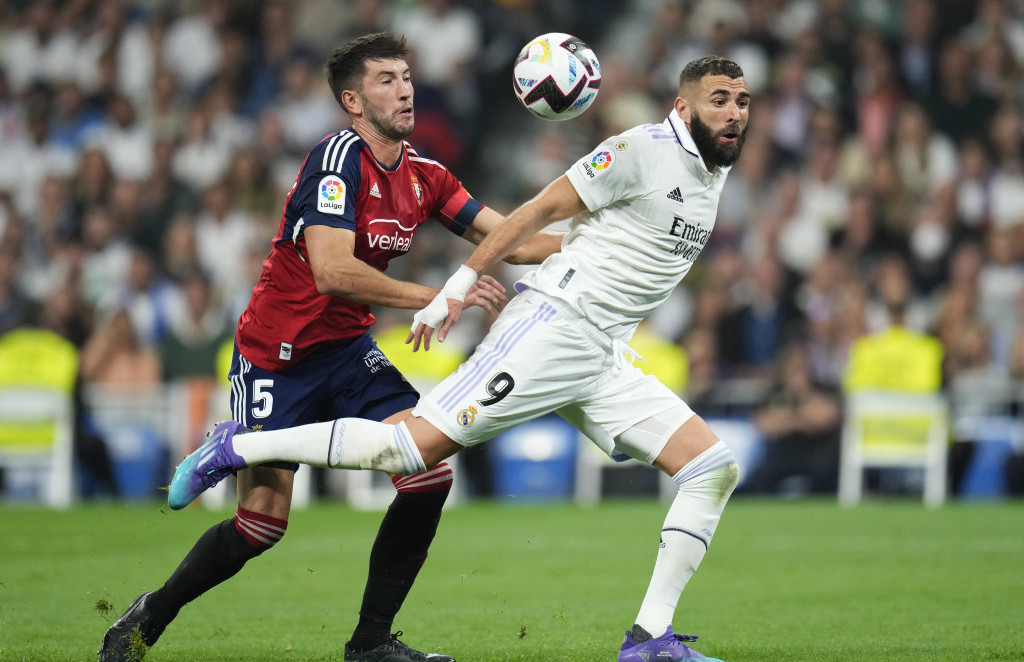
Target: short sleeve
<point x="326" y="192"/>
<point x="611" y="172"/>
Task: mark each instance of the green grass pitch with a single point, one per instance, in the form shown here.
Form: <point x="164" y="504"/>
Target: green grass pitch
<point x="784" y="581"/>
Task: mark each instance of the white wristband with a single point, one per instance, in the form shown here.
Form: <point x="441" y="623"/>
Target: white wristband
<point x="455" y="288"/>
<point x="459" y="283"/>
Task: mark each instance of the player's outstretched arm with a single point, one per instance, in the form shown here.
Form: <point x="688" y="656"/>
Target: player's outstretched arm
<point x="557" y="201"/>
<point x="336" y="270"/>
<point x="533" y="251"/>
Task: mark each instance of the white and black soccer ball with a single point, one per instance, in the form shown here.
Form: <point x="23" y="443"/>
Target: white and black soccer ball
<point x="556" y="76"/>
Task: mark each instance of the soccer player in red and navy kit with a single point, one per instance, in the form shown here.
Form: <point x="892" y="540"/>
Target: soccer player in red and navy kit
<point x="303" y="352"/>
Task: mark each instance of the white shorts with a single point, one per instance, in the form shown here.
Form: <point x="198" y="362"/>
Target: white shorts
<point x="541" y="356"/>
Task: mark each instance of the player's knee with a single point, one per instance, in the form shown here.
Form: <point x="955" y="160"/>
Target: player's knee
<point x="437" y="479"/>
<point x="713" y="473"/>
<point x="261" y="531"/>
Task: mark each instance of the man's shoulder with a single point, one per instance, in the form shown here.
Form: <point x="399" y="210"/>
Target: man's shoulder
<point x="641" y="141"/>
<point x="335" y="152"/>
<point x="422" y="163"/>
<point x="654" y="134"/>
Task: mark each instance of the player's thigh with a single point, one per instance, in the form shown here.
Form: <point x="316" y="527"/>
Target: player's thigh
<point x="531" y="363"/>
<point x="363" y="383"/>
<point x="631" y="415"/>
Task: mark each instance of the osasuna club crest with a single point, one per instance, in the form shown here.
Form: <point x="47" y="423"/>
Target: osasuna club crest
<point x="417" y="188"/>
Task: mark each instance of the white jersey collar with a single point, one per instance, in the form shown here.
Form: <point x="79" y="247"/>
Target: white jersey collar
<point x="686" y="141"/>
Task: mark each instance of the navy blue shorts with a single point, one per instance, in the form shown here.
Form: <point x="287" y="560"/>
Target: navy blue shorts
<point x="352" y="380"/>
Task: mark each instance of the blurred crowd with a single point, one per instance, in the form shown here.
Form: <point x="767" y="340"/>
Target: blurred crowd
<point x="146" y="147"/>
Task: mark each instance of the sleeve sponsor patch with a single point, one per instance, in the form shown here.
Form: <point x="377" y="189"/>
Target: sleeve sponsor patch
<point x="596" y="164"/>
<point x="330" y="197"/>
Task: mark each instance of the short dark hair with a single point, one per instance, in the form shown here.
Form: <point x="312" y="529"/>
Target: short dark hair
<point x="346" y="66"/>
<point x="709" y="65"/>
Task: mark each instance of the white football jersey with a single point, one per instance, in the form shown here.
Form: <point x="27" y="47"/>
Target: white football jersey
<point x="651" y="204"/>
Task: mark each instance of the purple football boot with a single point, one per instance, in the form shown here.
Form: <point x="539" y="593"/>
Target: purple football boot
<point x="209" y="464"/>
<point x="639" y="646"/>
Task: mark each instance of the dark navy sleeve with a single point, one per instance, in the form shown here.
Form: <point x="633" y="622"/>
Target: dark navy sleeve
<point x="331" y="177"/>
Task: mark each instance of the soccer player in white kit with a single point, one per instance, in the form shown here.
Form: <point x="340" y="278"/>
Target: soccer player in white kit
<point x="643" y="205"/>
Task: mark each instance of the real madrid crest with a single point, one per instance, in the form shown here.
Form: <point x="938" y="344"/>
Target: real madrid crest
<point x="466" y="416"/>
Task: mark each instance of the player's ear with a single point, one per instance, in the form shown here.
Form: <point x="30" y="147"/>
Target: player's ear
<point x="352" y="102"/>
<point x="683" y="108"/>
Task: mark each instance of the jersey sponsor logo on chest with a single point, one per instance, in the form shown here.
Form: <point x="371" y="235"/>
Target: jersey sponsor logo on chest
<point x="389" y="234"/>
<point x="690" y="238"/>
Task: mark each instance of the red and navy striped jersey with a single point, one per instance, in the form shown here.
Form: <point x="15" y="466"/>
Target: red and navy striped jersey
<point x="342" y="185"/>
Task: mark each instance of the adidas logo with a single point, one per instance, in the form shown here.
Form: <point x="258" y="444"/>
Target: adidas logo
<point x="375" y="192"/>
<point x="675" y="194"/>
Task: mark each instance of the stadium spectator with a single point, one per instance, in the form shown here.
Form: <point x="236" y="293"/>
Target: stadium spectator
<point x="113" y="355"/>
<point x="74" y="116"/>
<point x="754" y="334"/>
<point x="13" y="302"/>
<point x="164" y="108"/>
<point x="106" y="254"/>
<point x="200" y="160"/>
<point x="926" y="160"/>
<point x="1000" y="286"/>
<point x="41" y="50"/>
<point x="304" y="106"/>
<point x="126" y="141"/>
<point x="220" y="223"/>
<point x="973" y="189"/>
<point x="191" y="46"/>
<point x="891" y="281"/>
<point x="198" y="326"/>
<point x="146" y="296"/>
<point x="916" y="46"/>
<point x="956" y="106"/>
<point x="444" y="37"/>
<point x="800" y="424"/>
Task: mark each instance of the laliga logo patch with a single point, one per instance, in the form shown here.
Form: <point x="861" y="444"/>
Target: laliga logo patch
<point x="332" y="196"/>
<point x="597" y="164"/>
<point x="466" y="416"/>
<point x="601" y="160"/>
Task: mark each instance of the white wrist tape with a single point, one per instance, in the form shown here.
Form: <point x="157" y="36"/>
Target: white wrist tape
<point x="455" y="288"/>
<point x="459" y="283"/>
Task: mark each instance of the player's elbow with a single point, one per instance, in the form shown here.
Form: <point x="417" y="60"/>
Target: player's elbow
<point x="518" y="256"/>
<point x="331" y="281"/>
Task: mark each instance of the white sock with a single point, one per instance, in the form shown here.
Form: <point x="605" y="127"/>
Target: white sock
<point x="705" y="484"/>
<point x="345" y="443"/>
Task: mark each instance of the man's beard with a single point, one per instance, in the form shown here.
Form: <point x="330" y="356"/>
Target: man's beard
<point x="386" y="128"/>
<point x="713" y="152"/>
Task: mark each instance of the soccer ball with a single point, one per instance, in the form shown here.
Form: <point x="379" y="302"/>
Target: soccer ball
<point x="556" y="76"/>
